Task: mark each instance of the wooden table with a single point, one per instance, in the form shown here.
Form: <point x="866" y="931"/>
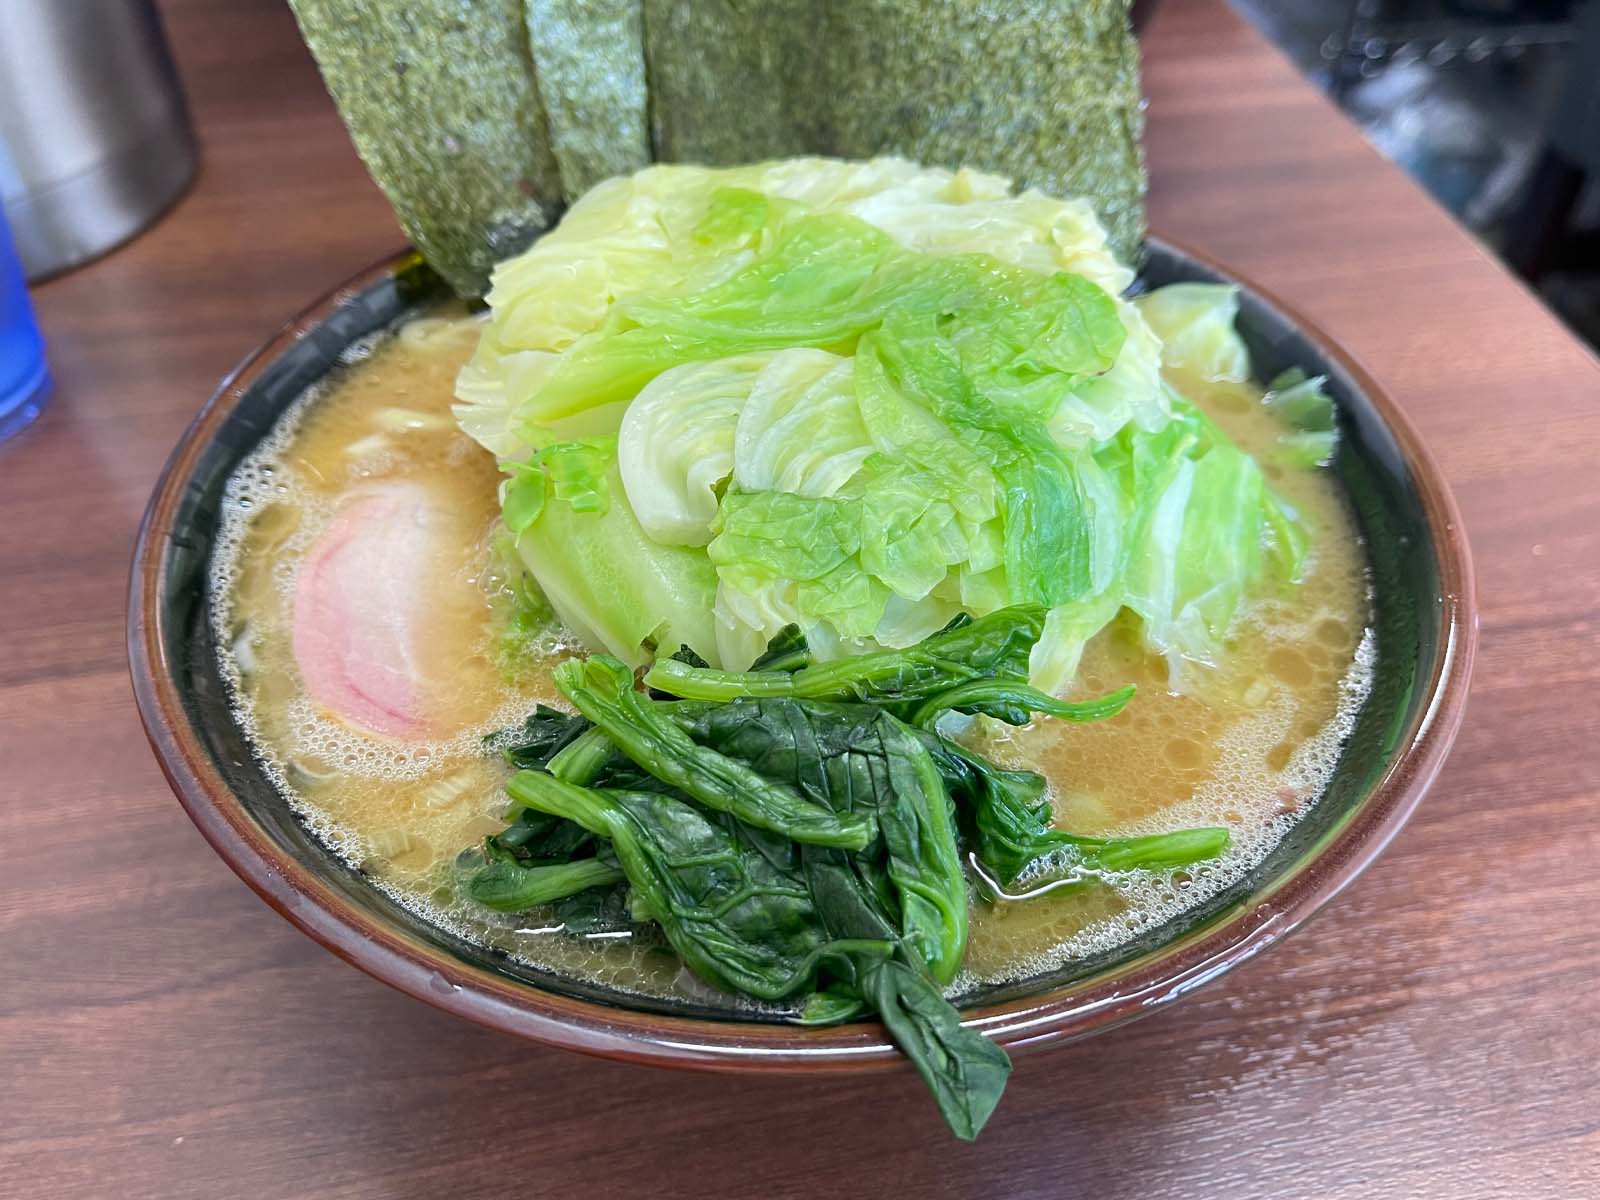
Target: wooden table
<point x="1435" y="1034"/>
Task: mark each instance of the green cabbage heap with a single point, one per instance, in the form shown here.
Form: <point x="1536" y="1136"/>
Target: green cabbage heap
<point x="862" y="398"/>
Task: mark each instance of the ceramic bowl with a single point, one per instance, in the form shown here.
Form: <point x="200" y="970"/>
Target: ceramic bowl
<point x="1425" y="627"/>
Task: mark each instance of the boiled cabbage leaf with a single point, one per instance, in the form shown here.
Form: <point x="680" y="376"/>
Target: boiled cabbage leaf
<point x="1195" y="324"/>
<point x="675" y="447"/>
<point x="863" y="398"/>
<point x="1308" y="410"/>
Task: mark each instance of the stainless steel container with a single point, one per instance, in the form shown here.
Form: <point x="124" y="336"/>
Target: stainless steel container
<point x="94" y="137"/>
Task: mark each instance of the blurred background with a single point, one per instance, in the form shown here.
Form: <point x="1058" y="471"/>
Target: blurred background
<point x="1493" y="106"/>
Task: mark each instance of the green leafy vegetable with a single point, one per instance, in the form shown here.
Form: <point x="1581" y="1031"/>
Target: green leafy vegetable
<point x="535" y="838"/>
<point x="805" y="846"/>
<point x="1208" y="526"/>
<point x="1007" y="818"/>
<point x="751" y="921"/>
<point x="861" y="399"/>
<point x="998" y="645"/>
<point x="787" y="651"/>
<point x="539" y="859"/>
<point x="609" y="582"/>
<point x="687" y="656"/>
<point x="1015" y="703"/>
<point x="857" y="758"/>
<point x="586" y="758"/>
<point x="510" y="887"/>
<point x="964" y="1070"/>
<point x="602" y="689"/>
<point x="675" y="446"/>
<point x="734" y="917"/>
<point x="543" y="735"/>
<point x="1195" y="324"/>
<point x="1300" y="401"/>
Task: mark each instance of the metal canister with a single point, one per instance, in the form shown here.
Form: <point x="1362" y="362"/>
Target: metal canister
<point x="95" y="140"/>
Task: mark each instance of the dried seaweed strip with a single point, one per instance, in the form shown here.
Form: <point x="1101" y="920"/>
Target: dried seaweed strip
<point x="441" y="101"/>
<point x="1045" y="91"/>
<point x="480" y="117"/>
<point x="723" y="83"/>
<point x="589" y="58"/>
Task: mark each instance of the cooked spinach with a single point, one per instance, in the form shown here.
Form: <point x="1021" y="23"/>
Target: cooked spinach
<point x="1015" y="703"/>
<point x="509" y="886"/>
<point x="1006" y="819"/>
<point x="797" y="831"/>
<point x="737" y="919"/>
<point x="537" y="837"/>
<point x="687" y="656"/>
<point x="755" y="917"/>
<point x="964" y="1070"/>
<point x="855" y="758"/>
<point x="602" y="689"/>
<point x="995" y="646"/>
<point x="787" y="651"/>
<point x="544" y="734"/>
<point x="542" y="860"/>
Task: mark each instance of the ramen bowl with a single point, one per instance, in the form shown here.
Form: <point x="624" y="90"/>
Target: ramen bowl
<point x="1424" y="630"/>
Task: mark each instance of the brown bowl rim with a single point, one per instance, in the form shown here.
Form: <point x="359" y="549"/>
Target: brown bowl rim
<point x="1062" y="1014"/>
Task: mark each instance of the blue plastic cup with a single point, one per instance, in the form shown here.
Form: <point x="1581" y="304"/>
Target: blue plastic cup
<point x="24" y="377"/>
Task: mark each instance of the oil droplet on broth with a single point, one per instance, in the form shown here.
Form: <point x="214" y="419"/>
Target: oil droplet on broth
<point x="1290" y="666"/>
<point x="1184" y="754"/>
<point x="1263" y="725"/>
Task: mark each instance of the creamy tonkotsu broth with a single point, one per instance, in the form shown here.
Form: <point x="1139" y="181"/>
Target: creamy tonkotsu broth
<point x="1248" y="744"/>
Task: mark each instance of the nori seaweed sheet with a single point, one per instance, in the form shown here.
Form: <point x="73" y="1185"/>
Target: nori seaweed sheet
<point x="441" y="101"/>
<point x="481" y="118"/>
<point x="589" y="59"/>
<point x="1045" y="91"/>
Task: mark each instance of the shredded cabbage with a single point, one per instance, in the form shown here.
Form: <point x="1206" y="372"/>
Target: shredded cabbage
<point x="863" y="397"/>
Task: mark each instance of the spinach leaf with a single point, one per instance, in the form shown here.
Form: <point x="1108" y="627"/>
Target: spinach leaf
<point x="964" y="1070"/>
<point x="787" y="651"/>
<point x="602" y="689"/>
<point x="545" y="733"/>
<point x="594" y="760"/>
<point x="737" y="919"/>
<point x="569" y="746"/>
<point x="508" y="886"/>
<point x="535" y="836"/>
<point x="1015" y="703"/>
<point x="687" y="656"/>
<point x="747" y="913"/>
<point x="858" y="758"/>
<point x="796" y="830"/>
<point x="539" y="860"/>
<point x="597" y="910"/>
<point x="1006" y="817"/>
<point x="997" y="645"/>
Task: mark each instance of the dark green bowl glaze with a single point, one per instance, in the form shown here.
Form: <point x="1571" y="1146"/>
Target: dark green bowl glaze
<point x="1425" y="632"/>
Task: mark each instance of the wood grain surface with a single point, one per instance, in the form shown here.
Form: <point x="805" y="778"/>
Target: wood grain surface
<point x="1435" y="1034"/>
